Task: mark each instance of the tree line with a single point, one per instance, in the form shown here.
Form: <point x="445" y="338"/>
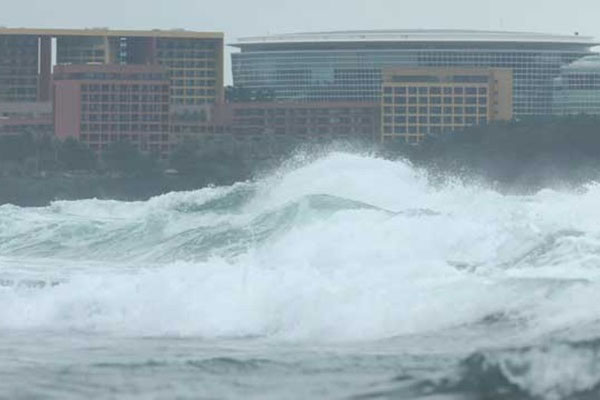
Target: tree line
<point x="528" y="154"/>
<point x="32" y="155"/>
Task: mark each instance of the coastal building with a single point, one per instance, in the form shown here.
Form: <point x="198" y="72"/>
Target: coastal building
<point x="208" y="125"/>
<point x="258" y="129"/>
<point x="417" y="102"/>
<point x="306" y="121"/>
<point x="26" y="117"/>
<point x="102" y="104"/>
<point x="349" y="66"/>
<point x="193" y="60"/>
<point x="577" y="89"/>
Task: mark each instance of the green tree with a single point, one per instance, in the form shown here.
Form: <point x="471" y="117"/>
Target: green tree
<point x="124" y="157"/>
<point x="76" y="156"/>
<point x="17" y="148"/>
<point x="185" y="158"/>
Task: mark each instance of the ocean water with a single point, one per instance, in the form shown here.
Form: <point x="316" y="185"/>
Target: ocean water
<point x="348" y="277"/>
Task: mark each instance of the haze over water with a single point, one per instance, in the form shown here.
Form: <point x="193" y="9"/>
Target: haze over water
<point x="349" y="277"/>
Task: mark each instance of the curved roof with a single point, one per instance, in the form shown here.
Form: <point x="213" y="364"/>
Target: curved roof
<point x="420" y="35"/>
<point x="588" y="63"/>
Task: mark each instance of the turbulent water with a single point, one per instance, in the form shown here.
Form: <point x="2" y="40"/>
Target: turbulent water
<point x="349" y="277"/>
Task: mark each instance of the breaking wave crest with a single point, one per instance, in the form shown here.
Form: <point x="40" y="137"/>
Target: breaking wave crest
<point x="345" y="248"/>
<point x="553" y="371"/>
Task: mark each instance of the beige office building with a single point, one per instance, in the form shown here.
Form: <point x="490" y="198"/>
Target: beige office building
<point x="417" y="102"/>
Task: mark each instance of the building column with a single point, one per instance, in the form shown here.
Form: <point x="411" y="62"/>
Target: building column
<point x="107" y="51"/>
<point x="45" y="77"/>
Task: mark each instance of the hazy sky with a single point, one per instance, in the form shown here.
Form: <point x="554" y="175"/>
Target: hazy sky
<point x="238" y="18"/>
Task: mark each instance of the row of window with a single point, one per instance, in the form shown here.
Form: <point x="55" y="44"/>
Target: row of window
<point x="202" y="73"/>
<point x="171" y="44"/>
<point x="187" y="54"/>
<point x="402" y="129"/>
<point x="193" y="92"/>
<point x="193" y="82"/>
<point x="302" y="121"/>
<point x="18" y="82"/>
<point x="125" y="108"/>
<point x="302" y="111"/>
<point x="19" y="91"/>
<point x="188" y="64"/>
<point x="104" y="137"/>
<point x="435" y="110"/>
<point x="123" y="128"/>
<point x="435" y="119"/>
<point x="435" y="100"/>
<point x="124" y="88"/>
<point x="125" y="117"/>
<point x="192" y="101"/>
<point x="66" y="53"/>
<point x="435" y="90"/>
<point x="125" y="98"/>
<point x="19" y="45"/>
<point x="19" y="62"/>
<point x="111" y="76"/>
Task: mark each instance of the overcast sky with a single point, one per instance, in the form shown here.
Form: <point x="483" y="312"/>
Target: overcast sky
<point x="239" y="18"/>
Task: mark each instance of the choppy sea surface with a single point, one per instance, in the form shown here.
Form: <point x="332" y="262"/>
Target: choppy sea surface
<point x="349" y="277"/>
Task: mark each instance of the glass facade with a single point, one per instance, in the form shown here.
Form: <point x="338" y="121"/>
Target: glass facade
<point x="81" y="49"/>
<point x="19" y="68"/>
<point x="352" y="70"/>
<point x="577" y="90"/>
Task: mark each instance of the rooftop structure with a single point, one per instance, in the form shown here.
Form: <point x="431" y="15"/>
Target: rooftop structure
<point x="348" y="66"/>
<point x="417" y="36"/>
<point x="93" y="32"/>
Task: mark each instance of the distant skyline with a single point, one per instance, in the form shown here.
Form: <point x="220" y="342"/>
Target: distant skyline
<point x="261" y="17"/>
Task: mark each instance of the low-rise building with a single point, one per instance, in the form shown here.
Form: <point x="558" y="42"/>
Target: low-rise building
<point x="26" y="117"/>
<point x="259" y="129"/>
<point x="102" y="104"/>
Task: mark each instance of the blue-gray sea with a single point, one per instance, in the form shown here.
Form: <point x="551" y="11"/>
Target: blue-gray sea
<point x="347" y="277"/>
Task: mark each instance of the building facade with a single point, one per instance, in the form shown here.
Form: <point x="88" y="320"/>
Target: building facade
<point x="31" y="118"/>
<point x="307" y="121"/>
<point x="193" y="60"/>
<point x="417" y="102"/>
<point x="19" y="77"/>
<point x="577" y="89"/>
<point x="103" y="104"/>
<point x="348" y="66"/>
<point x="261" y="129"/>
